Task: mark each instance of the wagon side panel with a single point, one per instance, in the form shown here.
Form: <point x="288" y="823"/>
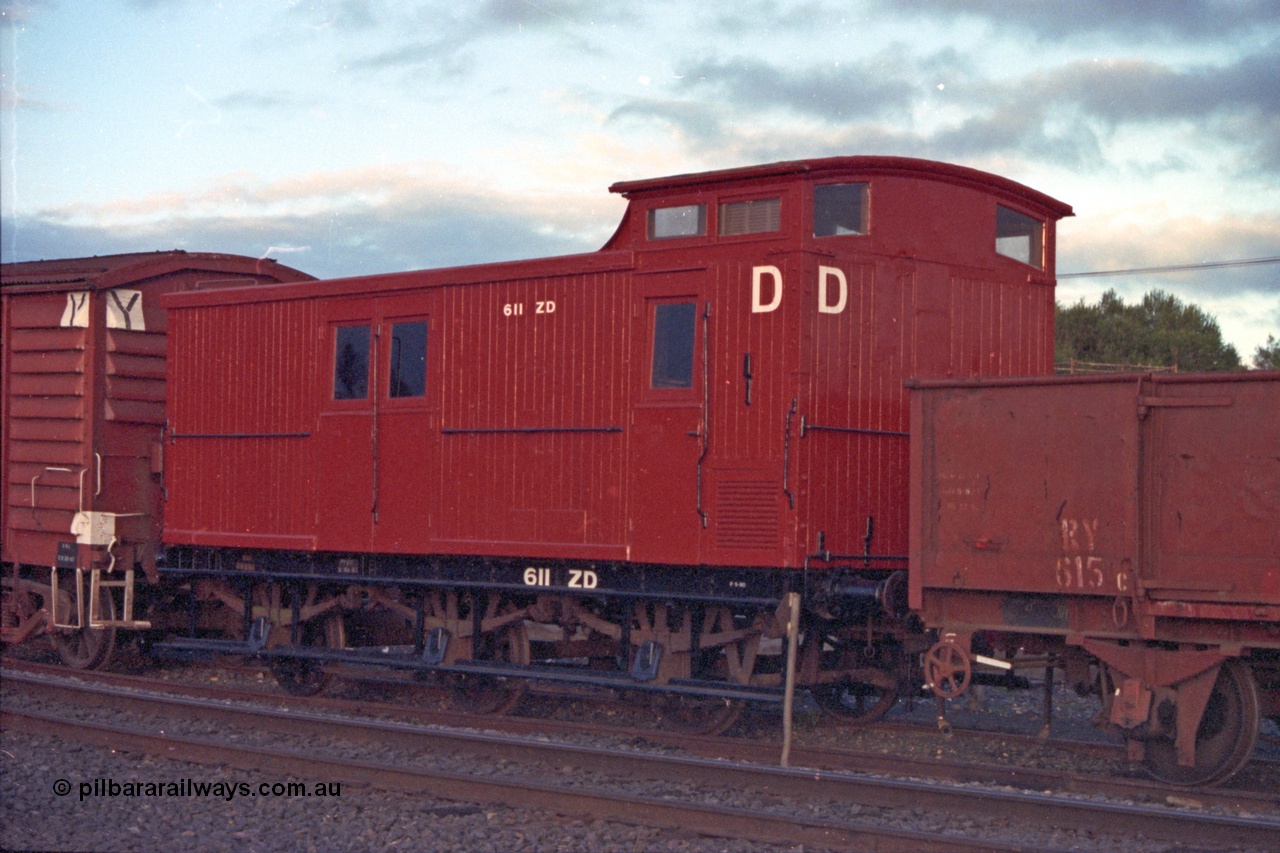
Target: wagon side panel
<point x="1213" y="491"/>
<point x="534" y="417"/>
<point x="48" y="387"/>
<point x="240" y="464"/>
<point x="1026" y="513"/>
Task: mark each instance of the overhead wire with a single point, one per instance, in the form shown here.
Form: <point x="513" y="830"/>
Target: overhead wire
<point x="1206" y="265"/>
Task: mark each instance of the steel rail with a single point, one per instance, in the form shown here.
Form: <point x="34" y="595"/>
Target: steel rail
<point x="758" y="750"/>
<point x="763" y="751"/>
<point x="799" y="783"/>
<point x="710" y="820"/>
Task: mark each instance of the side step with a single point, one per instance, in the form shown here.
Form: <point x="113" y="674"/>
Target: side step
<point x="96" y="584"/>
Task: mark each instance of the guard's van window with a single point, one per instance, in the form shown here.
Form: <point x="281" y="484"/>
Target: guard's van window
<point x="686" y="220"/>
<point x="351" y="363"/>
<point x="673" y="334"/>
<point x="840" y="209"/>
<point x="408" y="359"/>
<point x="1019" y="236"/>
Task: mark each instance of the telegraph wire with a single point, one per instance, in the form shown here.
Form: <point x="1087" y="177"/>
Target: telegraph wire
<point x="1207" y="265"/>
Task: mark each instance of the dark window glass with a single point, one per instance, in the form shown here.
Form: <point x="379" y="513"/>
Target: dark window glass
<point x="1019" y="236"/>
<point x="351" y="363"/>
<point x="750" y="217"/>
<point x="673" y="331"/>
<point x="687" y="220"/>
<point x="408" y="359"/>
<point x="840" y="209"/>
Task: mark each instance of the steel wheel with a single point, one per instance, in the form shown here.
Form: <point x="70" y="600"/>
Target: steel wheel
<point x="302" y="676"/>
<point x="495" y="694"/>
<point x="87" y="648"/>
<point x="1226" y="736"/>
<point x="858" y="701"/>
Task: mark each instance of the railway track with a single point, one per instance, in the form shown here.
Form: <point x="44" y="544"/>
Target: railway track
<point x="758" y="749"/>
<point x="591" y="787"/>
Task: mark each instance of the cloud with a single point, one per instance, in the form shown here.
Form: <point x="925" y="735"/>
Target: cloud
<point x="698" y="124"/>
<point x="731" y="20"/>
<point x="552" y="14"/>
<point x="369" y="220"/>
<point x="266" y="99"/>
<point x="1140" y="90"/>
<point x="457" y="31"/>
<point x="747" y="115"/>
<point x="16" y="13"/>
<point x="836" y="92"/>
<point x="747" y="109"/>
<point x="23" y="99"/>
<point x="1068" y="114"/>
<point x="349" y="15"/>
<point x="1236" y="106"/>
<point x="441" y="53"/>
<point x="356" y="240"/>
<point x="1130" y="20"/>
<point x="1020" y="128"/>
<point x="342" y="16"/>
<point x="244" y="193"/>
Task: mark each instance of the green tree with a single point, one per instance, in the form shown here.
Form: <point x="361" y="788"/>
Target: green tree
<point x="1160" y="331"/>
<point x="1267" y="356"/>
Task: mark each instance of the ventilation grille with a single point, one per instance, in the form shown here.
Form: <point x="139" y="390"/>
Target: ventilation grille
<point x="747" y="515"/>
<point x="750" y="217"/>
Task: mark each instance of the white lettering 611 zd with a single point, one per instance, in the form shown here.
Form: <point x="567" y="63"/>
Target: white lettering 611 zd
<point x="516" y="309"/>
<point x="578" y="578"/>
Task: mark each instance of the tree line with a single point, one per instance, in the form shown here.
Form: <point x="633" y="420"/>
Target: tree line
<point x="1160" y="332"/>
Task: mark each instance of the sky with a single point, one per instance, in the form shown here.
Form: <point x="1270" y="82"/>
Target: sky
<point x="345" y="137"/>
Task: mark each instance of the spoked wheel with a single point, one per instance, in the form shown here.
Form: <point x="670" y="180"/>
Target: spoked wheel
<point x="699" y="715"/>
<point x="947" y="670"/>
<point x="859" y="701"/>
<point x="481" y="693"/>
<point x="729" y="649"/>
<point x="858" y="681"/>
<point x="87" y="648"/>
<point x="18" y="605"/>
<point x="1226" y="736"/>
<point x="305" y="677"/>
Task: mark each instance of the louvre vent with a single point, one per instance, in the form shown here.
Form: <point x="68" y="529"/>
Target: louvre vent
<point x="750" y="217"/>
<point x="746" y="514"/>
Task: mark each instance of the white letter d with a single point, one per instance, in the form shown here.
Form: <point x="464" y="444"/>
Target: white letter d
<point x="758" y="273"/>
<point x="824" y="306"/>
